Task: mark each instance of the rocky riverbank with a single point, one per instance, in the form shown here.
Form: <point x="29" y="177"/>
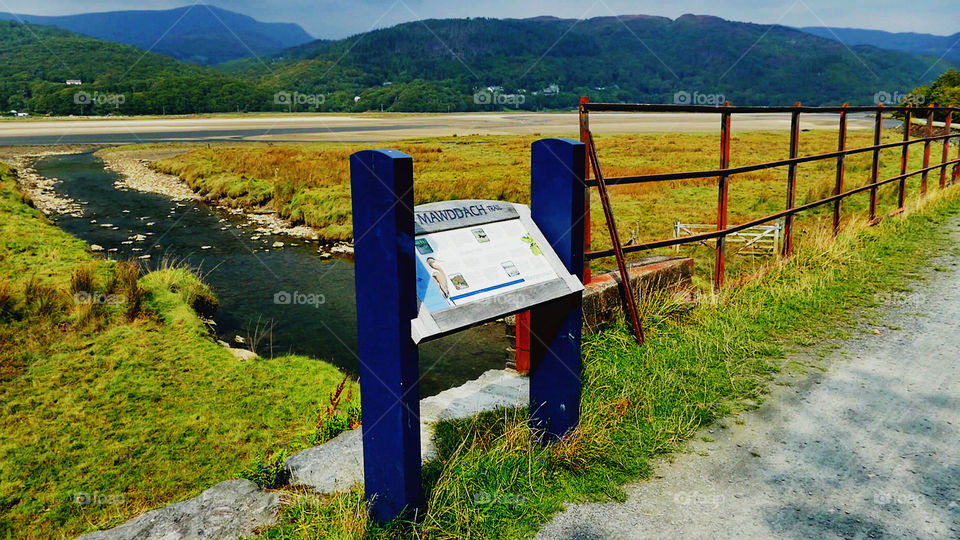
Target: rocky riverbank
<point x="134" y="173"/>
<point x="41" y="191"/>
<point x="133" y="167"/>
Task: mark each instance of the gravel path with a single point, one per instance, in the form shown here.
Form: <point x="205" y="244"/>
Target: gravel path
<point x="868" y="449"/>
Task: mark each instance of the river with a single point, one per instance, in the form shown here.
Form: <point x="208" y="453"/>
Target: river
<point x="249" y="276"/>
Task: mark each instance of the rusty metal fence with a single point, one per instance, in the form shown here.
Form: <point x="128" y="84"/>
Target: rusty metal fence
<point x="724" y="172"/>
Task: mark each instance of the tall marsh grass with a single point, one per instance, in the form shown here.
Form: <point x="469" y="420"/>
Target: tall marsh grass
<point x="310" y="183"/>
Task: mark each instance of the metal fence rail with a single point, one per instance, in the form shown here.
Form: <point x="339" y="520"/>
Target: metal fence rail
<point x="724" y="172"/>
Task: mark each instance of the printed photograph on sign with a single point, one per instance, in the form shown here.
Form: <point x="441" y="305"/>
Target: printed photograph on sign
<point x="462" y="266"/>
<point x="480" y="235"/>
<point x="423" y="247"/>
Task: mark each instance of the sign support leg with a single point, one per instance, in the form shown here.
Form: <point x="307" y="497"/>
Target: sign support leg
<point x="557" y="206"/>
<point x="383" y="231"/>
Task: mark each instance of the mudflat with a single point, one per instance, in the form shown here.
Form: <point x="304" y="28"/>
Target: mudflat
<point x="382" y="127"/>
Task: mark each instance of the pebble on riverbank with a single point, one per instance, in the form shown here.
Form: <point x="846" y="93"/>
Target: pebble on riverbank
<point x="137" y="175"/>
<point x="41" y="190"/>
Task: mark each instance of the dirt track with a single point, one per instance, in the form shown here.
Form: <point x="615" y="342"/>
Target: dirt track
<point x="867" y="449"/>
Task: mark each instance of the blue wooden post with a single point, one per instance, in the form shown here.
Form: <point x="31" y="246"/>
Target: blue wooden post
<point x="382" y="191"/>
<point x="557" y="193"/>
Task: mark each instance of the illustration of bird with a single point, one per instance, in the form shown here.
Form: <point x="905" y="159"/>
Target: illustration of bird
<point x="439" y="276"/>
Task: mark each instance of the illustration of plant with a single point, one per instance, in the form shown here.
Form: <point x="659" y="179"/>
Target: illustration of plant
<point x="534" y="248"/>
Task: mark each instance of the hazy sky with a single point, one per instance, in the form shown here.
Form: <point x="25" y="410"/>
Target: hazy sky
<point x="339" y="18"/>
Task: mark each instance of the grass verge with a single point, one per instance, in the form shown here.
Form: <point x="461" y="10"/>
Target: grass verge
<point x="490" y="480"/>
<point x="113" y="397"/>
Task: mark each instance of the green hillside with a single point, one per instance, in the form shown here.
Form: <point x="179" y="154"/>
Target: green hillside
<point x="636" y="58"/>
<point x="36" y="62"/>
<point x="449" y="65"/>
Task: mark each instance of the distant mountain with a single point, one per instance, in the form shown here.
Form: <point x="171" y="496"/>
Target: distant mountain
<point x="463" y="65"/>
<point x="925" y="44"/>
<point x="630" y="58"/>
<point x="199" y="33"/>
<point x="36" y="63"/>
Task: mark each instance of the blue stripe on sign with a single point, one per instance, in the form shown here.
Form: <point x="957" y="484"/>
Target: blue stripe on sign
<point x="502" y="285"/>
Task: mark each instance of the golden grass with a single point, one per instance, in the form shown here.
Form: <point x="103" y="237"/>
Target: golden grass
<point x="310" y="183"/>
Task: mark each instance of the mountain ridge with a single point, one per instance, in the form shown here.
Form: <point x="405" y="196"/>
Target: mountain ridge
<point x="628" y="58"/>
<point x="480" y="64"/>
<point x="199" y="33"/>
<point x="934" y="45"/>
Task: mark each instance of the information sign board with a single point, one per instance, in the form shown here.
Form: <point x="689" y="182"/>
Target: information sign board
<point x="478" y="261"/>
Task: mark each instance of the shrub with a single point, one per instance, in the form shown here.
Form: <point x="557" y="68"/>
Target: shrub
<point x="331" y="421"/>
<point x="41" y="298"/>
<point x="267" y="471"/>
<point x="330" y="427"/>
<point x="125" y="276"/>
<point x="134" y="303"/>
<point x="82" y="280"/>
<point x="89" y="314"/>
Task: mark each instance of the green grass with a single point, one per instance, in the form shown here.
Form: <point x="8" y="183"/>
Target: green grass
<point x="134" y="402"/>
<point x="698" y="367"/>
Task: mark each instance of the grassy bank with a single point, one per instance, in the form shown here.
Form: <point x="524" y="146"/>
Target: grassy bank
<point x="113" y="397"/>
<point x="699" y="366"/>
<point x="310" y="184"/>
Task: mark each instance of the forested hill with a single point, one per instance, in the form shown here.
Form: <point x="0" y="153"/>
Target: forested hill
<point x="197" y="33"/>
<point x="37" y="61"/>
<point x="449" y="65"/>
<point x="634" y="58"/>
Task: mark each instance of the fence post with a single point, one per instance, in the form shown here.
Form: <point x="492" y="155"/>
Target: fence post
<point x="521" y="342"/>
<point x="956" y="168"/>
<point x="904" y="156"/>
<point x="946" y="151"/>
<point x="720" y="263"/>
<point x="926" y="152"/>
<point x="522" y="328"/>
<point x="838" y="188"/>
<point x="556" y="206"/>
<point x="585" y="139"/>
<point x="791" y="180"/>
<point x="385" y="268"/>
<point x="875" y="168"/>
